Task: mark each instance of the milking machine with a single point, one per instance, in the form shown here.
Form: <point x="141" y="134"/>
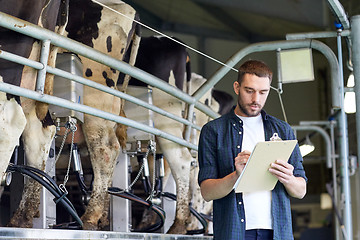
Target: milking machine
<point x="51" y="193"/>
<point x="55" y="194"/>
<point x="140" y="146"/>
<point x="69" y="135"/>
<point x="150" y="195"/>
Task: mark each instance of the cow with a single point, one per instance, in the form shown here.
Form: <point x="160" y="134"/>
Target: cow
<point x="217" y="100"/>
<point x="221" y="102"/>
<point x="169" y="61"/>
<point x="25" y="117"/>
<point x="96" y="26"/>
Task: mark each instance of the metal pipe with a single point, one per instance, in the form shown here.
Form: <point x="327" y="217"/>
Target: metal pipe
<point x="8" y="88"/>
<point x="342" y="18"/>
<point x="311" y="35"/>
<point x="84" y="81"/>
<point x="272" y="46"/>
<point x="37" y="32"/>
<point x="334" y="178"/>
<point x="355" y="37"/>
<point x="307" y="123"/>
<point x="322" y="133"/>
<point x="344" y="150"/>
<point x="20" y="60"/>
<point x="339" y="12"/>
<point x="119" y="94"/>
<point x="280" y="77"/>
<point x="41" y="75"/>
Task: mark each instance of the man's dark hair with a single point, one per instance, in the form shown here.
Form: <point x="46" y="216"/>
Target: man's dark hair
<point x="254" y="67"/>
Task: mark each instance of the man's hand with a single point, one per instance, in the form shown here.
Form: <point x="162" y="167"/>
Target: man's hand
<point x="295" y="186"/>
<point x="241" y="160"/>
<point x="282" y="170"/>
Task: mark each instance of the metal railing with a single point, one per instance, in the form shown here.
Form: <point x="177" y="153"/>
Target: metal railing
<point x="48" y="37"/>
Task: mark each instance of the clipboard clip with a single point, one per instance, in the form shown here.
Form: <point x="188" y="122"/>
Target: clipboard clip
<point x="275" y="137"/>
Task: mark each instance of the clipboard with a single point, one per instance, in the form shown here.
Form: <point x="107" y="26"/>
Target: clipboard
<point x="256" y="176"/>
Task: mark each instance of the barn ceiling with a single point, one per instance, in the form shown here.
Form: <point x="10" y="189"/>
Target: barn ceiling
<point x="244" y="20"/>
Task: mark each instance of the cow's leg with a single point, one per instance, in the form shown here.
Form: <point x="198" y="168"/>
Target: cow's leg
<point x="12" y="124"/>
<point x="104" y="148"/>
<point x="37" y="141"/>
<point x="37" y="138"/>
<point x="178" y="157"/>
<point x="180" y="167"/>
<point x="197" y="201"/>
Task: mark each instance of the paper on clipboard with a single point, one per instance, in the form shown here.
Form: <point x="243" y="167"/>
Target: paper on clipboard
<point x="256" y="176"/>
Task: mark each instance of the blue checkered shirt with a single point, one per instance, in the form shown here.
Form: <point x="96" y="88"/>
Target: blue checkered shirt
<point x="220" y="142"/>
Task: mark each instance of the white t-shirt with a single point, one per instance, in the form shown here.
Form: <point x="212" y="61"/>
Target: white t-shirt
<point x="257" y="204"/>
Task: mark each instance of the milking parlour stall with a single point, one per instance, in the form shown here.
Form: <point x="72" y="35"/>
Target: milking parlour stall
<point x="101" y="115"/>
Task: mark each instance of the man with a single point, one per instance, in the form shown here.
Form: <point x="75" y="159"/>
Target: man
<point x="224" y="147"/>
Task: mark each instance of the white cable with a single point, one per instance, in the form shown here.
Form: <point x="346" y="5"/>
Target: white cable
<point x="281" y="103"/>
<point x="164" y="35"/>
<point x="193" y="49"/>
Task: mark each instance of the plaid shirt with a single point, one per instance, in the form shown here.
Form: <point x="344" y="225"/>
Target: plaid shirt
<point x="220" y="142"/>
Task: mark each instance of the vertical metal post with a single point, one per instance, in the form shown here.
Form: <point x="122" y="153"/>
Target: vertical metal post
<point x="47" y="205"/>
<point x="355" y="39"/>
<point x="344" y="149"/>
<point x="355" y="51"/>
<point x="44" y="56"/>
<point x="120" y="211"/>
<point x="280" y="82"/>
<point x="333" y="171"/>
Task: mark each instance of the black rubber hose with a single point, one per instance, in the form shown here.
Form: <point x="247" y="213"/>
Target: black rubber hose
<point x="84" y="189"/>
<point x="50" y="186"/>
<point x="160" y="212"/>
<point x="192" y="211"/>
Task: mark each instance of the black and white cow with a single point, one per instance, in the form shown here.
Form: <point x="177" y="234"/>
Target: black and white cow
<point x="188" y="176"/>
<point x="94" y="26"/>
<point x="31" y="120"/>
<point x="169" y="61"/>
<point x="110" y="33"/>
<point x="221" y="102"/>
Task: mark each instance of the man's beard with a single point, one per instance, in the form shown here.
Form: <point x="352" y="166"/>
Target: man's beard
<point x="246" y="111"/>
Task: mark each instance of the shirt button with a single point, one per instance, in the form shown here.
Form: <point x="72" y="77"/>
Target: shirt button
<point x="234" y="124"/>
<point x="240" y="133"/>
<point x="240" y="203"/>
<point x="240" y="121"/>
<point x="242" y="220"/>
<point x="238" y="146"/>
